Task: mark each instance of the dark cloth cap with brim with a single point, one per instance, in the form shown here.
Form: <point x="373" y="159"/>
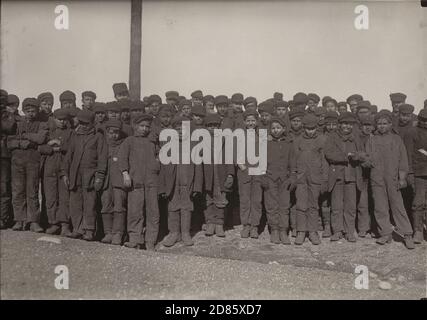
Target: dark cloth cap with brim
<point x="314" y="97"/>
<point x="45" y="96"/>
<point x="422" y="115"/>
<point x="73" y="111"/>
<point x="85" y="116"/>
<point x="342" y="104"/>
<point x="61" y="114"/>
<point x="237" y="98"/>
<point x="397" y="97"/>
<point x="406" y="108"/>
<point x="221" y="100"/>
<point x="12" y="99"/>
<point x="99" y="107"/>
<point x="3" y="93"/>
<point x="356" y="97"/>
<point x="347" y="117"/>
<point x="198" y="111"/>
<point x="278" y="96"/>
<point x="329" y="99"/>
<point x="67" y="95"/>
<point x="310" y="121"/>
<point x="185" y="102"/>
<point x="331" y="116"/>
<point x="297" y="112"/>
<point x="279" y="120"/>
<point x="137" y="105"/>
<point x="319" y="111"/>
<point x="250" y="100"/>
<point x="155" y="98"/>
<point x="213" y="118"/>
<point x="89" y="94"/>
<point x="300" y="98"/>
<point x="208" y="98"/>
<point x="364" y="104"/>
<point x="281" y="103"/>
<point x="374" y="109"/>
<point x="367" y="120"/>
<point x="30" y="102"/>
<point x="180" y="98"/>
<point x="172" y="95"/>
<point x="250" y="112"/>
<point x="384" y="114"/>
<point x="143" y="117"/>
<point x="266" y="106"/>
<point x="119" y="88"/>
<point x="113" y="123"/>
<point x="198" y="94"/>
<point x="165" y="109"/>
<point x="113" y="106"/>
<point x="124" y="104"/>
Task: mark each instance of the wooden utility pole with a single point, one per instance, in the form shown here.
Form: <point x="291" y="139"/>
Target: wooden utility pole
<point x="135" y="50"/>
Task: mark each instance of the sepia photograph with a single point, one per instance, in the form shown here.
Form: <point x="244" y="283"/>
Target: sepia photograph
<point x="213" y="155"/>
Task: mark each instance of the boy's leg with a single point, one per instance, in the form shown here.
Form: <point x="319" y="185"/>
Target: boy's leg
<point x="5" y="192"/>
<point x="135" y="219"/>
<point x="284" y="204"/>
<point x="363" y="218"/>
<point x="293" y="213"/>
<point x="89" y="212"/>
<point x="32" y="193"/>
<point x="187" y="208"/>
<point x="19" y="198"/>
<point x="107" y="206"/>
<point x="76" y="211"/>
<point x="337" y="210"/>
<point x="313" y="209"/>
<point x="152" y="216"/>
<point x="119" y="215"/>
<point x="398" y="211"/>
<point x="50" y="185"/>
<point x="271" y="200"/>
<point x="350" y="210"/>
<point x="381" y="210"/>
<point x="209" y="214"/>
<point x="301" y="195"/>
<point x="326" y="214"/>
<point x="255" y="203"/>
<point x="244" y="204"/>
<point x="419" y="207"/>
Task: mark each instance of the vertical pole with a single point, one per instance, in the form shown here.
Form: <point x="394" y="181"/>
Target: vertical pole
<point x="135" y="50"/>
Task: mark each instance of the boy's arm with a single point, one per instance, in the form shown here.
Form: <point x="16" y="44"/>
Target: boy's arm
<point x="198" y="178"/>
<point x="102" y="150"/>
<point x="403" y="160"/>
<point x="124" y="156"/>
<point x="408" y="140"/>
<point x="40" y="136"/>
<point x="66" y="163"/>
<point x="333" y="154"/>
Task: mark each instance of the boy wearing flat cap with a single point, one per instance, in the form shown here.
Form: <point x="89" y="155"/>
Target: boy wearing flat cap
<point x="25" y="172"/>
<point x="83" y="171"/>
<point x="172" y="99"/>
<point x="88" y="100"/>
<point x="140" y="167"/>
<point x="397" y="99"/>
<point x="184" y="109"/>
<point x="179" y="185"/>
<point x="266" y="112"/>
<point x="313" y="102"/>
<point x="388" y="161"/>
<point x="221" y="104"/>
<point x="46" y="104"/>
<point x="344" y="154"/>
<point x="209" y="104"/>
<point x="353" y="101"/>
<point x="120" y="91"/>
<point x="154" y="103"/>
<point x="114" y="195"/>
<point x="55" y="192"/>
<point x="197" y="97"/>
<point x="12" y="104"/>
<point x="311" y="169"/>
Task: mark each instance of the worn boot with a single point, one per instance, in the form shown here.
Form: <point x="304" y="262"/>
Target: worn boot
<point x="186" y="239"/>
<point x="254" y="232"/>
<point x="107" y="221"/>
<point x="3" y="225"/>
<point x="18" y="226"/>
<point x="300" y="238"/>
<point x="327" y="230"/>
<point x="107" y="238"/>
<point x="53" y="229"/>
<point x="384" y="239"/>
<point x="283" y="235"/>
<point x="350" y="237"/>
<point x="117" y="239"/>
<point x="35" y="227"/>
<point x="314" y="237"/>
<point x="210" y="229"/>
<point x="65" y="229"/>
<point x="362" y="234"/>
<point x="75" y="235"/>
<point x="185" y="228"/>
<point x="274" y="236"/>
<point x="132" y="245"/>
<point x="171" y="239"/>
<point x="409" y="242"/>
<point x="418" y="237"/>
<point x="89" y="235"/>
<point x="149" y="246"/>
<point x="245" y="231"/>
<point x="294" y="233"/>
<point x="219" y="230"/>
<point x="337" y="236"/>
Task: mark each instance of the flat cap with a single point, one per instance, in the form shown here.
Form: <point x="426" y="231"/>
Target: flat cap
<point x="165" y="109"/>
<point x="422" y="115"/>
<point x="331" y="116"/>
<point x="384" y="114"/>
<point x="113" y="106"/>
<point x="342" y="104"/>
<point x="137" y="105"/>
<point x="297" y="112"/>
<point x="364" y="104"/>
<point x="30" y="102"/>
<point x="181" y="98"/>
<point x="172" y="95"/>
<point x="67" y="95"/>
<point x="279" y="120"/>
<point x="356" y="97"/>
<point x="113" y="123"/>
<point x="374" y="109"/>
<point x="198" y="111"/>
<point x="3" y="93"/>
<point x="314" y="97"/>
<point x="45" y="96"/>
<point x="329" y="99"/>
<point x="213" y="118"/>
<point x="310" y="121"/>
<point x="221" y="100"/>
<point x="250" y="112"/>
<point x="124" y="104"/>
<point x="278" y="96"/>
<point x="250" y="100"/>
<point x="89" y="94"/>
<point x="266" y="106"/>
<point x="237" y="98"/>
<point x="300" y="98"/>
<point x="319" y="111"/>
<point x="347" y="117"/>
<point x="185" y="102"/>
<point x="12" y="99"/>
<point x="367" y="120"/>
<point x="406" y="108"/>
<point x="85" y="116"/>
<point x="280" y="103"/>
<point x="61" y="114"/>
<point x="198" y="94"/>
<point x="397" y="97"/>
<point x="120" y="87"/>
<point x="143" y="117"/>
<point x="208" y="98"/>
<point x="72" y="111"/>
<point x="154" y="98"/>
<point x="99" y="107"/>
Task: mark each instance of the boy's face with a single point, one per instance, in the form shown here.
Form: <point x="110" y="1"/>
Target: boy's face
<point x="113" y="115"/>
<point x="222" y="109"/>
<point x="154" y="109"/>
<point x="135" y="113"/>
<point x="171" y="102"/>
<point x="60" y="123"/>
<point x="46" y="106"/>
<point x="165" y="119"/>
<point x="197" y="102"/>
<point x="311" y="105"/>
<point x="342" y="109"/>
<point x="212" y="126"/>
<point x="363" y="112"/>
<point x="12" y="108"/>
<point x="84" y="125"/>
<point x="210" y="107"/>
<point x="251" y="107"/>
<point x="367" y="129"/>
<point x="198" y="119"/>
<point x="296" y="123"/>
<point x="67" y="104"/>
<point x="143" y="128"/>
<point x="88" y="102"/>
<point x="331" y="126"/>
<point x="31" y="113"/>
<point x="238" y="108"/>
<point x="186" y="111"/>
<point x="281" y="111"/>
<point x="404" y="118"/>
<point x="277" y="130"/>
<point x="121" y="96"/>
<point x="125" y="115"/>
<point x="330" y="106"/>
<point x="395" y="106"/>
<point x="113" y="134"/>
<point x="346" y="128"/>
<point x="383" y="125"/>
<point x="422" y="124"/>
<point x="99" y="117"/>
<point x="265" y="117"/>
<point x="250" y="122"/>
<point x="310" y="132"/>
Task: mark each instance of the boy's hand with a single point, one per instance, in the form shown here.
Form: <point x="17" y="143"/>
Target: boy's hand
<point x="127" y="181"/>
<point x="66" y="181"/>
<point x="402" y="184"/>
<point x="195" y="194"/>
<point x="53" y="142"/>
<point x="410" y="179"/>
<point x="56" y="149"/>
<point x="24" y="144"/>
<point x="98" y="184"/>
<point x="353" y="156"/>
<point x="324" y="187"/>
<point x="229" y="182"/>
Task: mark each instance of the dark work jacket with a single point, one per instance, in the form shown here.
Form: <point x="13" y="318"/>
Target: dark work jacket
<point x="87" y="153"/>
<point x="336" y="150"/>
<point x="279" y="154"/>
<point x="8" y="127"/>
<point x="415" y="140"/>
<point x="33" y="131"/>
<point x="114" y="175"/>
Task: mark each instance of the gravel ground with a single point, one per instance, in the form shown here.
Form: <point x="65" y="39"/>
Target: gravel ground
<point x="214" y="268"/>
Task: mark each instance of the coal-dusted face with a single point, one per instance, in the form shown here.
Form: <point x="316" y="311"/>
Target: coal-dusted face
<point x="277" y="129"/>
<point x="296" y="123"/>
<point x="383" y="125"/>
<point x="251" y="122"/>
<point x="346" y="128"/>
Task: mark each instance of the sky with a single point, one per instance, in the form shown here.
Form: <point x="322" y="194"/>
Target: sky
<point x="252" y="47"/>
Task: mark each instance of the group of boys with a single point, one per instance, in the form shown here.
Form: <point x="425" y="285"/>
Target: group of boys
<point x="329" y="170"/>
